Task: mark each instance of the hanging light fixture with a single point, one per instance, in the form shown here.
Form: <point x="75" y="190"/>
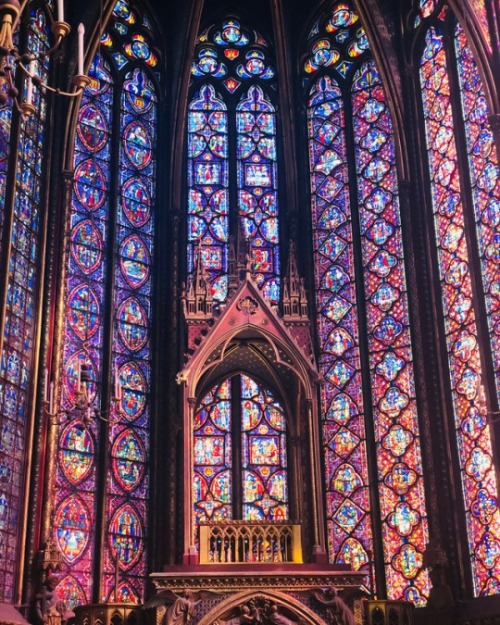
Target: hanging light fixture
<point x="83" y="409"/>
<point x="10" y="57"/>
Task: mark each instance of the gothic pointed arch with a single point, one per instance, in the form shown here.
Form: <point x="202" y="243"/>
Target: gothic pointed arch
<point x="232" y="120"/>
<point x="270" y="602"/>
<point x="248" y="369"/>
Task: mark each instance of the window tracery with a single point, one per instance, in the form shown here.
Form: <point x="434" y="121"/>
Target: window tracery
<point x="109" y="317"/>
<point x="362" y="308"/>
<point x="457" y="192"/>
<point x="232" y="118"/>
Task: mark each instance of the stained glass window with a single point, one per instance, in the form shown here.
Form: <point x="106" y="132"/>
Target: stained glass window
<point x="258" y="199"/>
<point x="240" y="454"/>
<point x="208" y="180"/>
<point x="358" y="248"/>
<point x="109" y="311"/>
<point x="232" y="118"/>
<point x="468" y="358"/>
<point x="20" y="317"/>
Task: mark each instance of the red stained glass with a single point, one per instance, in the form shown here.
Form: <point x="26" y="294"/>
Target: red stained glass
<point x="392" y="387"/>
<point x="472" y="431"/>
<point x="387" y="343"/>
<point x="90" y="293"/>
<point x="342" y="403"/>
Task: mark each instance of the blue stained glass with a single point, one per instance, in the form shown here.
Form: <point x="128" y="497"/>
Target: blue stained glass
<point x="257" y="183"/>
<point x="208" y="181"/>
<point x="131" y="367"/>
<point x="19" y="329"/>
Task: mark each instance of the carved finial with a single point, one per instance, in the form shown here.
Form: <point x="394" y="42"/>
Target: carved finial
<point x="294" y="294"/>
<point x="198" y="299"/>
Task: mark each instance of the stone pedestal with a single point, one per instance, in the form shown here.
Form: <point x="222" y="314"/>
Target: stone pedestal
<point x="260" y="593"/>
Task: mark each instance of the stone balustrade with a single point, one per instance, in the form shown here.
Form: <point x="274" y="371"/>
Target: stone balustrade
<point x="232" y="542"/>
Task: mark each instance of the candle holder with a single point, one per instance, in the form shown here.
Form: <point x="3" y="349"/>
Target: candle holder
<point x="10" y="57"/>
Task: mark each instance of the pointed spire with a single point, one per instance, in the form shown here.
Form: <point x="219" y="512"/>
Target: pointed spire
<point x="294" y="294"/>
<point x="198" y="298"/>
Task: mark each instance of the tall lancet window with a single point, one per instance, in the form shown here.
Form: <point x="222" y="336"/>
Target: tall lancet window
<point x="107" y="330"/>
<point x="465" y="193"/>
<point x="21" y="220"/>
<point x="232" y="119"/>
<point x="368" y="394"/>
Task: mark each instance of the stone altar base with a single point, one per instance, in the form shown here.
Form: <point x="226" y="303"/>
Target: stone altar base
<point x="273" y="594"/>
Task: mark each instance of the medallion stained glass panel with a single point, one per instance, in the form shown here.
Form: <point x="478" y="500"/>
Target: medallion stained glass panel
<point x="455" y="267"/>
<point x="339" y="51"/>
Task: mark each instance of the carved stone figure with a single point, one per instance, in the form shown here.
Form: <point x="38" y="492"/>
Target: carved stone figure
<point x="182" y="610"/>
<point x="181" y="606"/>
<point x="275" y="618"/>
<point x="336" y="608"/>
<point x="258" y="612"/>
<point x="244" y="618"/>
<point x="50" y="610"/>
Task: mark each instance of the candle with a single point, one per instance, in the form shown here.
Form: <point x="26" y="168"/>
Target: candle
<point x="29" y="86"/>
<point x="60" y="10"/>
<point x="81" y="35"/>
<point x="118" y="387"/>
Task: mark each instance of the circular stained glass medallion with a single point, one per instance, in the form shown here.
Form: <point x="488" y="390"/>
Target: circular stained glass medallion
<point x="72" y="366"/>
<point x="76" y="450"/>
<point x="90" y="184"/>
<point x="125" y="535"/>
<point x="72" y="523"/>
<point x="83" y="316"/>
<point x="137" y="144"/>
<point x="128" y="460"/>
<point x="86" y="246"/>
<point x="134" y="261"/>
<point x="136" y="201"/>
<point x="133" y="324"/>
<point x="92" y="127"/>
<point x="134" y="387"/>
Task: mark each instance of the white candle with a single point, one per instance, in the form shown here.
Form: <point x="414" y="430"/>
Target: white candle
<point x="81" y="35"/>
<point x="118" y="386"/>
<point x="60" y="10"/>
<point x="29" y="86"/>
